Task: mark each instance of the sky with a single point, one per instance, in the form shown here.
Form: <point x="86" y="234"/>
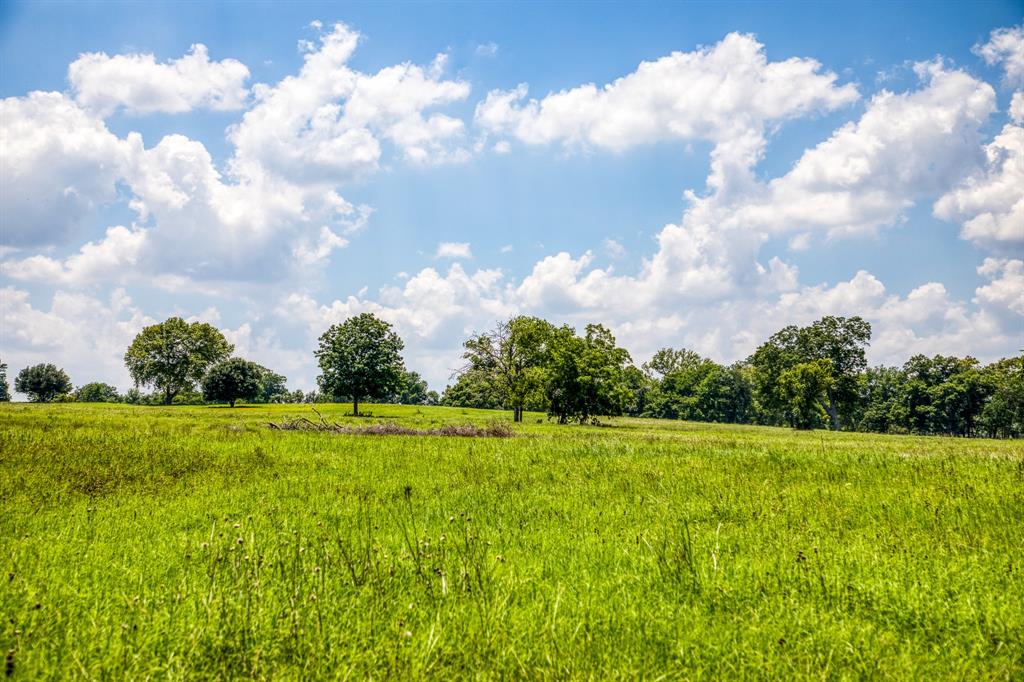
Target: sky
<point x="690" y="175"/>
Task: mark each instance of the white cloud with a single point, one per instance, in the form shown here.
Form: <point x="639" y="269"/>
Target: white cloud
<point x="1016" y="111"/>
<point x="1005" y="46"/>
<point x="322" y="125"/>
<point x="59" y="165"/>
<point x="137" y="83"/>
<point x="453" y="250"/>
<point x="85" y="335"/>
<point x="1005" y="290"/>
<point x="614" y="249"/>
<point x="716" y="93"/>
<point x="905" y="146"/>
<point x="487" y="49"/>
<point x="990" y="202"/>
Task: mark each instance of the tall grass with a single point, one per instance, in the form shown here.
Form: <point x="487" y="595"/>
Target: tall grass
<point x="197" y="542"/>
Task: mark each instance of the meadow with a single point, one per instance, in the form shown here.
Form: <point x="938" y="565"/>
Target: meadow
<point x="196" y="542"/>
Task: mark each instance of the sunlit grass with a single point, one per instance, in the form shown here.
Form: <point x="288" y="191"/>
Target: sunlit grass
<point x="197" y="542"/>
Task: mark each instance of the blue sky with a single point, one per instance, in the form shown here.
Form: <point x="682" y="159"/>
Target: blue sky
<point x="836" y="197"/>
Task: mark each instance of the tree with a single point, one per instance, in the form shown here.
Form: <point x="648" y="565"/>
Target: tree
<point x="803" y="386"/>
<point x="173" y="355"/>
<point x="1003" y="415"/>
<point x="232" y="380"/>
<point x="840" y="340"/>
<point x="273" y="388"/>
<point x="411" y="391"/>
<point x="5" y="388"/>
<point x="42" y="383"/>
<point x="514" y="353"/>
<point x="586" y="376"/>
<point x="97" y="392"/>
<point x="670" y="360"/>
<point x="474" y="388"/>
<point x="360" y="358"/>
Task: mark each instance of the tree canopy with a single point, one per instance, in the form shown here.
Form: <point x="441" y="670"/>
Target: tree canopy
<point x="513" y="354"/>
<point x="97" y="392"/>
<point x="42" y="383"/>
<point x="232" y="380"/>
<point x="360" y="358"/>
<point x="832" y="351"/>
<point x="173" y="356"/>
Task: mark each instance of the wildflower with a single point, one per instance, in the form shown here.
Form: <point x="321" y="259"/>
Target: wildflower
<point x="407" y="634"/>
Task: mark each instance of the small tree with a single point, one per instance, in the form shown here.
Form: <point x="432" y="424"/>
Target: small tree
<point x="360" y="358"/>
<point x="232" y="380"/>
<point x="173" y="355"/>
<point x="42" y="383"/>
<point x="96" y="392"/>
<point x="5" y="388"/>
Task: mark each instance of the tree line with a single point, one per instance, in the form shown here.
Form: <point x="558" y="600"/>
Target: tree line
<point x="803" y="377"/>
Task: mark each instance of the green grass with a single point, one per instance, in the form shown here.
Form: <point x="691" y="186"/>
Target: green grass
<point x="195" y="542"/>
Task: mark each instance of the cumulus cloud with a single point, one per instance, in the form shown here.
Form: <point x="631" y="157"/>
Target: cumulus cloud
<point x="86" y="335"/>
<point x="141" y="85"/>
<point x="487" y="49"/>
<point x="990" y="202"/>
<point x="1017" y="108"/>
<point x="905" y="146"/>
<point x="272" y="212"/>
<point x="1005" y="46"/>
<point x="716" y="93"/>
<point x="325" y="123"/>
<point x="59" y="166"/>
<point x="453" y="250"/>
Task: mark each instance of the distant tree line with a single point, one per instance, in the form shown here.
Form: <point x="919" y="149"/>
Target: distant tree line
<point x="803" y="377"/>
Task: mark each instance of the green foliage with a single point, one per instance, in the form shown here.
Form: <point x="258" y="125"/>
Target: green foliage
<point x="803" y="387"/>
<point x="514" y="355"/>
<point x="194" y="543"/>
<point x="1003" y="414"/>
<point x="412" y="390"/>
<point x="173" y="356"/>
<point x="233" y="380"/>
<point x="273" y="388"/>
<point x="97" y="392"/>
<point x="360" y="358"/>
<point x="5" y="388"/>
<point x="474" y="388"/>
<point x="839" y="340"/>
<point x="42" y="383"/>
<point x="586" y="377"/>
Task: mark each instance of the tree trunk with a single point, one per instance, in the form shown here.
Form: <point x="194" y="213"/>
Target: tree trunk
<point x="232" y="403"/>
<point x="168" y="396"/>
<point x="517" y="414"/>
<point x="355" y="406"/>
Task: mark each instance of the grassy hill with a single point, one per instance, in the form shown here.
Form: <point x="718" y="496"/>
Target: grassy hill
<point x="197" y="542"/>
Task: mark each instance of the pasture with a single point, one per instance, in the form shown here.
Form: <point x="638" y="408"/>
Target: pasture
<point x="195" y="542"/>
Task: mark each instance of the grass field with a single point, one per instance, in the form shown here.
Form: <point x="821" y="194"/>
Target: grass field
<point x="196" y="542"/>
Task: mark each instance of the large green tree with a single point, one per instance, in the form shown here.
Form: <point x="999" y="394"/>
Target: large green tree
<point x="42" y="383"/>
<point x="173" y="355"/>
<point x="273" y="387"/>
<point x="586" y="376"/>
<point x="360" y="358"/>
<point x="515" y="354"/>
<point x="232" y="380"/>
<point x="839" y="340"/>
<point x="474" y="388"/>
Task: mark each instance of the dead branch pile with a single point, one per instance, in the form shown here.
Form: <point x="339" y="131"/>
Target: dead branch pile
<point x="494" y="429"/>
